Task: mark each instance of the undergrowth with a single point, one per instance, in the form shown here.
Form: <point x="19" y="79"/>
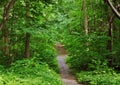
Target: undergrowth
<point x="98" y="78"/>
<point x="101" y="75"/>
<point x="28" y="72"/>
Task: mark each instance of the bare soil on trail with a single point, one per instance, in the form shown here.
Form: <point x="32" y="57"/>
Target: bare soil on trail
<point x="66" y="75"/>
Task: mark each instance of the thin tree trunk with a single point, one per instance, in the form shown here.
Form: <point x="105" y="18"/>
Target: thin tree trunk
<point x="3" y="28"/>
<point x="110" y="42"/>
<point x="6" y="13"/>
<point x="27" y="45"/>
<point x="110" y="33"/>
<point x="27" y="42"/>
<point x="6" y="41"/>
<point x="85" y="18"/>
<point x="85" y="22"/>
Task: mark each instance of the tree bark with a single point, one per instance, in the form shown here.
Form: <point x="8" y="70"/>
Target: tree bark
<point x="27" y="42"/>
<point x="6" y="41"/>
<point x="110" y="42"/>
<point x="6" y="12"/>
<point x="110" y="33"/>
<point x="85" y="18"/>
<point x="3" y="28"/>
<point x="86" y="23"/>
<point x="27" y="45"/>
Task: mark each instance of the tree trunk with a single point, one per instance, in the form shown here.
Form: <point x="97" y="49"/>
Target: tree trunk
<point x="85" y="18"/>
<point x="6" y="13"/>
<point x="6" y="41"/>
<point x="5" y="47"/>
<point x="110" y="33"/>
<point x="27" y="45"/>
<point x="110" y="42"/>
<point x="27" y="42"/>
<point x="3" y="28"/>
<point x="86" y="22"/>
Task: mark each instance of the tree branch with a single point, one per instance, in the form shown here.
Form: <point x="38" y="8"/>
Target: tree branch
<point x="113" y="9"/>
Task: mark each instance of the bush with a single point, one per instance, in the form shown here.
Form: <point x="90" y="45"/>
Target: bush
<point x="99" y="78"/>
<point x="100" y="74"/>
<point x="28" y="72"/>
<point x="83" y="49"/>
<point x="47" y="54"/>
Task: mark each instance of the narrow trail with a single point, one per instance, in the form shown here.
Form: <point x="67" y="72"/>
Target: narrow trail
<point x="67" y="77"/>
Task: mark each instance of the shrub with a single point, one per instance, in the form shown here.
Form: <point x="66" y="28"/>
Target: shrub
<point x="83" y="49"/>
<point x="99" y="78"/>
<point x="47" y="54"/>
<point x="28" y="72"/>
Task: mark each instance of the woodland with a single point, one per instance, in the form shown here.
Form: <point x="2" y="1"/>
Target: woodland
<point x="88" y="29"/>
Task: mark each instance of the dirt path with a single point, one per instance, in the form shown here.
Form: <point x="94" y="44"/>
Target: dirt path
<point x="67" y="77"/>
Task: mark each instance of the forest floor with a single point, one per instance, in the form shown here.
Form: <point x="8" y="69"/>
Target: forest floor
<point x="66" y="75"/>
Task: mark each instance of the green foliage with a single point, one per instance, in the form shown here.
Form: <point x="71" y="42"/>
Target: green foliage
<point x="42" y="34"/>
<point x="29" y="72"/>
<point x="82" y="49"/>
<point x="85" y="50"/>
<point x="101" y="74"/>
<point x="99" y="78"/>
<point x="48" y="21"/>
<point x="99" y="65"/>
<point x="46" y="54"/>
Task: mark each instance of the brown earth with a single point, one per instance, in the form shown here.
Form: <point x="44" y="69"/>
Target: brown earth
<point x="60" y="49"/>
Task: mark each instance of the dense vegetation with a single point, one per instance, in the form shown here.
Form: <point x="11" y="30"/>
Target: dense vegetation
<point x="89" y="29"/>
<point x="91" y="36"/>
<point x="28" y="35"/>
<point x="28" y="72"/>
